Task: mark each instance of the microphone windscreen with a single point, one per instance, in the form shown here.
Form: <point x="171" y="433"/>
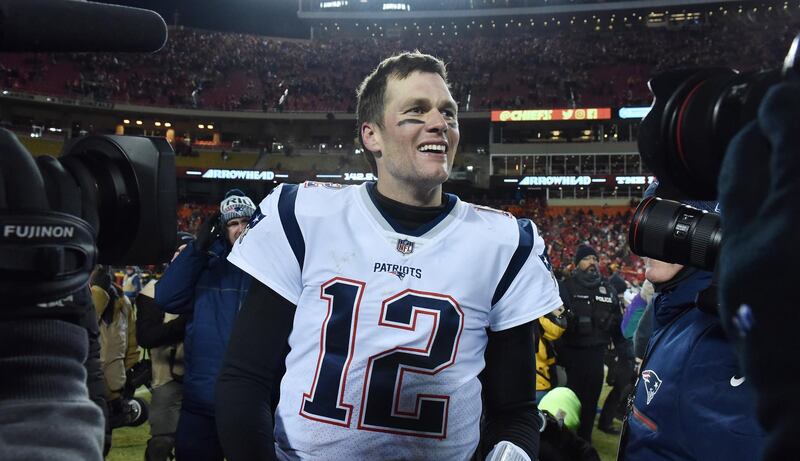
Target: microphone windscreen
<point x="77" y="25"/>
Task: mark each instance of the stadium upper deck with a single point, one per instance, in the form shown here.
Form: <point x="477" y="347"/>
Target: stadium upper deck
<point x="561" y="61"/>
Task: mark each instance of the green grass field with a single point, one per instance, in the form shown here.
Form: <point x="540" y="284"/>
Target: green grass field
<point x="129" y="442"/>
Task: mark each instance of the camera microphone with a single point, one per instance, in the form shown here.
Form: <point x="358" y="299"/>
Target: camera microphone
<point x="78" y="26"/>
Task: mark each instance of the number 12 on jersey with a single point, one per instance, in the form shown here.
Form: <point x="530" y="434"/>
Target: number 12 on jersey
<point x="384" y="374"/>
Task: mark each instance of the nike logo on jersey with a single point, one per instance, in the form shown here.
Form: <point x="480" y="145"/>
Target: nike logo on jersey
<point x="736" y="382"/>
<point x="398" y="270"/>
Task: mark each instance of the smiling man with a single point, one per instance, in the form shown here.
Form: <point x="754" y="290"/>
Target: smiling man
<point x="385" y="302"/>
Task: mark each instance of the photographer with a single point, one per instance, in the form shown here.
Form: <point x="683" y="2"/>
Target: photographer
<point x="162" y="334"/>
<point x="118" y="348"/>
<point x="718" y="133"/>
<point x="201" y="282"/>
<point x="690" y="377"/>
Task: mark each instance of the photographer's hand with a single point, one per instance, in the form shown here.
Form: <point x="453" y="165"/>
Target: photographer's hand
<point x="759" y="193"/>
<point x="208" y="232"/>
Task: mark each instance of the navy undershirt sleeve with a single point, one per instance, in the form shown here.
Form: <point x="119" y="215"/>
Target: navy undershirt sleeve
<point x="509" y="390"/>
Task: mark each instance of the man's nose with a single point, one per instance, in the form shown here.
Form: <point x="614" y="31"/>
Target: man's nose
<point x="436" y="122"/>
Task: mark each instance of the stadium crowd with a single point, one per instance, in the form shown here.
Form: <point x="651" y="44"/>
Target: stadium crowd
<point x="506" y="65"/>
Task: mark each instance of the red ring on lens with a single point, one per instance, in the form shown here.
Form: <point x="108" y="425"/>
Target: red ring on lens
<point x="638" y="217"/>
<point x="681" y="113"/>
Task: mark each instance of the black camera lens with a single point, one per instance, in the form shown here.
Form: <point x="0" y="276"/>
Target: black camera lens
<point x="675" y="233"/>
<point x="695" y="114"/>
<point x="128" y="190"/>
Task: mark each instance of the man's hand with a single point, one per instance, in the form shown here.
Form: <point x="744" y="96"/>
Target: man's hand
<point x="209" y="231"/>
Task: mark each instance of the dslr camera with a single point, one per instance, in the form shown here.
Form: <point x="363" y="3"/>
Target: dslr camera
<point x="683" y="139"/>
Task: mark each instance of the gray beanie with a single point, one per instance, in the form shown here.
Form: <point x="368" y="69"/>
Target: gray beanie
<point x="236" y="205"/>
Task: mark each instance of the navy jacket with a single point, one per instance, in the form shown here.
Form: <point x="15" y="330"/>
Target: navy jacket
<point x="691" y="401"/>
<point x="213" y="290"/>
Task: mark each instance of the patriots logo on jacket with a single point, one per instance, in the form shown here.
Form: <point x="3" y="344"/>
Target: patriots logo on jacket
<point x="652" y="383"/>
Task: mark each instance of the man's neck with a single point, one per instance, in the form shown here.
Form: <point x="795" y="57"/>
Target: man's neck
<point x="414" y="196"/>
<point x="409" y="217"/>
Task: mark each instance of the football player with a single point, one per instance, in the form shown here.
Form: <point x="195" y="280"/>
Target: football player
<point x="390" y="317"/>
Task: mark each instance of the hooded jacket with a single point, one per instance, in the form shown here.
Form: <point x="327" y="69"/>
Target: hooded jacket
<point x="117" y="328"/>
<point x="213" y="290"/>
<point x="550" y="329"/>
<point x="691" y="402"/>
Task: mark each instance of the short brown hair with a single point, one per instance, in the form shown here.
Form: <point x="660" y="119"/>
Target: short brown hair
<point x="371" y="93"/>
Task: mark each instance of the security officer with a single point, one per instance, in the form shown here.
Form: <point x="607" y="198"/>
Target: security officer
<point x="594" y="319"/>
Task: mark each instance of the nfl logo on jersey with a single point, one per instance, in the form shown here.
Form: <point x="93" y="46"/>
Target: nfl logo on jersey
<point x="405" y="246"/>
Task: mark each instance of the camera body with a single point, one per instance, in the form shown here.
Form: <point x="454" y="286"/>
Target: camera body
<point x="683" y="140"/>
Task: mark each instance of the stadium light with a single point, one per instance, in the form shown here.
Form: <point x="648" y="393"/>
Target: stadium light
<point x="126" y="121"/>
<point x="167" y="124"/>
<point x="158" y="123"/>
<point x="201" y="126"/>
<point x="138" y="122"/>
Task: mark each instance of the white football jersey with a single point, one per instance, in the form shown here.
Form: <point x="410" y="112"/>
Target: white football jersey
<point x="390" y="328"/>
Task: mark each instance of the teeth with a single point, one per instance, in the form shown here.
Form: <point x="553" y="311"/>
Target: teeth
<point x="432" y="148"/>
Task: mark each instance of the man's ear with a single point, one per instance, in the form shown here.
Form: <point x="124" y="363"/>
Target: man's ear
<point x="371" y="137"/>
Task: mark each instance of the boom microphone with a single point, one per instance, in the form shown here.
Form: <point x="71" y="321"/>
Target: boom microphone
<point x="78" y="25"/>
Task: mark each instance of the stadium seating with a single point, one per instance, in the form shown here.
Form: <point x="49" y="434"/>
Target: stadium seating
<point x="580" y="64"/>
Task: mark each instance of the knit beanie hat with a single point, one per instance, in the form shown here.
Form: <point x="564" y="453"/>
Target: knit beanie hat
<point x="563" y="404"/>
<point x="236" y="205"/>
<point x="583" y="251"/>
